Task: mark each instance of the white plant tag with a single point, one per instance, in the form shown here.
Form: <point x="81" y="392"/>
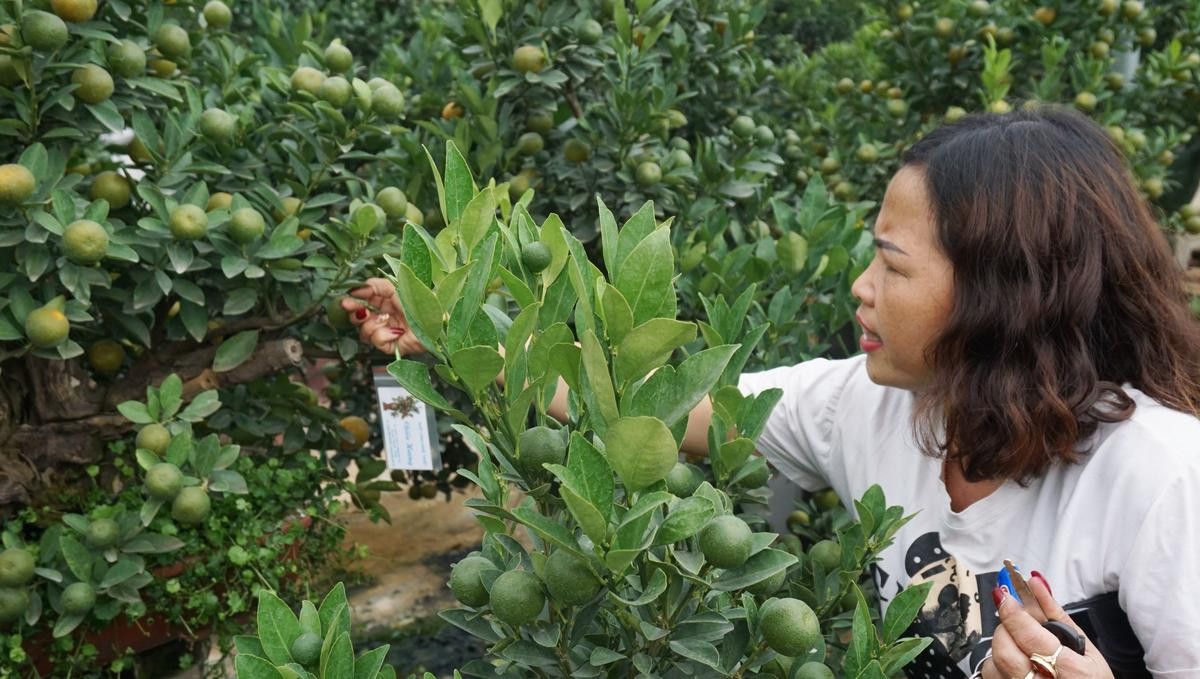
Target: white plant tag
<point x="409" y="426"/>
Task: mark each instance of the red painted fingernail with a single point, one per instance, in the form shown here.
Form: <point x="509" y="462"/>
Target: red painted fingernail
<point x="998" y="595"/>
<point x="1041" y="578"/>
<point x="361" y="313"/>
<point x="398" y="332"/>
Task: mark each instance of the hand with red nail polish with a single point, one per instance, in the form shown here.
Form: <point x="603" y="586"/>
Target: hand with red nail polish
<point x="1042" y="579"/>
<point x="1019" y="635"/>
<point x="386" y="329"/>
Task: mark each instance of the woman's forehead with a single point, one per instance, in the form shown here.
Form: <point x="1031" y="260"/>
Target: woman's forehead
<point x="905" y="206"/>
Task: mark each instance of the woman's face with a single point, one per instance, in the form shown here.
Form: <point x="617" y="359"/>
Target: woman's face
<point x="906" y="292"/>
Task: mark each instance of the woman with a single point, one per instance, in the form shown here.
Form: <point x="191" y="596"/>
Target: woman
<point x="1029" y="386"/>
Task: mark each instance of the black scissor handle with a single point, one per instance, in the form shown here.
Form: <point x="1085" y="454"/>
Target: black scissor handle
<point x="1066" y="635"/>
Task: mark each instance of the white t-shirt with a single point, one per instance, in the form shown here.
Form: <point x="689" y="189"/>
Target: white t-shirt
<point x="1126" y="519"/>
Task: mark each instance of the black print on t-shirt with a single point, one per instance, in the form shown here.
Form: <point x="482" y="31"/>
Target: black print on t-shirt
<point x="958" y="614"/>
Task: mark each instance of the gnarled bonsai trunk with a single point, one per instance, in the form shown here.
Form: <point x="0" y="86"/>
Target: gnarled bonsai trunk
<point x="54" y="418"/>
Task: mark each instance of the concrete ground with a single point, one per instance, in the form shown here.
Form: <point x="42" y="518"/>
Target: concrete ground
<point x="407" y="569"/>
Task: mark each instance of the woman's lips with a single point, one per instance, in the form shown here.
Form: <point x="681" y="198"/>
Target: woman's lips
<point x="867" y="330"/>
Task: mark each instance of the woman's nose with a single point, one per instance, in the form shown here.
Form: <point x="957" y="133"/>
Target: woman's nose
<point x="861" y="288"/>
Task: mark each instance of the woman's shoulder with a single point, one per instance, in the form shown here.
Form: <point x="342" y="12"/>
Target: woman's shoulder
<point x="1172" y="433"/>
<point x="1157" y="443"/>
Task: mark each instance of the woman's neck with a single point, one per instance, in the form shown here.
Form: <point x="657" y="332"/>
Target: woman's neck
<point x="964" y="493"/>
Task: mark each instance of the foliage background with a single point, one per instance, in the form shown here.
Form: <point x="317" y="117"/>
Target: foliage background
<point x="664" y="83"/>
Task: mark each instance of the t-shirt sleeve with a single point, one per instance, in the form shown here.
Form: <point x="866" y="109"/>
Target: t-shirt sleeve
<point x="799" y="433"/>
<point x="1158" y="582"/>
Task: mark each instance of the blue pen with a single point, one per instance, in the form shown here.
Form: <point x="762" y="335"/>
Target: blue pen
<point x="1010" y="580"/>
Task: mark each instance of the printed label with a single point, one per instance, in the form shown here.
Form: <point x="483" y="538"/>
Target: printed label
<point x="409" y="426"/>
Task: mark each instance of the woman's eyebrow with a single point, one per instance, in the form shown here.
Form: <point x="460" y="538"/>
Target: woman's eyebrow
<point x="888" y="245"/>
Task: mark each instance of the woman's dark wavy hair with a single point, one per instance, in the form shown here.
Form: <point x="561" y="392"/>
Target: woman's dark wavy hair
<point x="1064" y="290"/>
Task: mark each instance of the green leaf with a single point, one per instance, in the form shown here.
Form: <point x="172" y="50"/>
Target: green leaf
<point x="520" y="292"/>
<point x="170" y="395"/>
<point x="858" y="655"/>
<point x="437" y="180"/>
<point x="645" y="278"/>
<point x="235" y="350"/>
<point x="633" y="536"/>
<point x="552" y="235"/>
<point x="135" y="411"/>
<point x="146" y="459"/>
<point x="78" y="558"/>
<point x="450" y="288"/>
<point x="527" y="653"/>
<point x="602" y="656"/>
<point x="227" y="481"/>
<point x="363" y="221"/>
<point x="35" y="159"/>
<point x="599" y="389"/>
<point x="733" y="454"/>
<point x="632" y="233"/>
<point x="152" y="543"/>
<point x="470" y="622"/>
<point x="757" y="568"/>
<point x="591" y="473"/>
<point x="684" y="520"/>
<point x="477" y="218"/>
<point x="334" y="611"/>
<point x="587" y="487"/>
<point x="586" y="514"/>
<point x="204" y="404"/>
<point x="149" y="509"/>
<point x="618" y="317"/>
<point x="108" y="115"/>
<point x="700" y="651"/>
<point x="366" y="666"/>
<point x="670" y="394"/>
<point x="310" y="620"/>
<point x="77" y="522"/>
<point x="122" y="570"/>
<point x="491" y="11"/>
<point x="516" y="358"/>
<point x="67" y="624"/>
<point x="248" y="645"/>
<point x="649" y="346"/>
<point x="414" y="377"/>
<point x="903" y="609"/>
<point x="415" y="252"/>
<point x="658" y="585"/>
<point x="547" y="528"/>
<point x="277" y="627"/>
<point x="421" y="307"/>
<point x="873" y="670"/>
<point x="339" y="663"/>
<point x="608" y="240"/>
<point x="641" y="450"/>
<point x="477" y="366"/>
<point x="460" y="187"/>
<point x="902" y="653"/>
<point x="468" y="306"/>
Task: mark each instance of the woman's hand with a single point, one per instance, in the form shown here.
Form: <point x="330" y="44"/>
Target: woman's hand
<point x="387" y="329"/>
<point x="1020" y="636"/>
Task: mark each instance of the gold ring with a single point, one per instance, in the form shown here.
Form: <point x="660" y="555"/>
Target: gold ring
<point x="1045" y="664"/>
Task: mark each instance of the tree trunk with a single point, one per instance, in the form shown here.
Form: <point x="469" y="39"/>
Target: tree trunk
<point x="55" y="418"/>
